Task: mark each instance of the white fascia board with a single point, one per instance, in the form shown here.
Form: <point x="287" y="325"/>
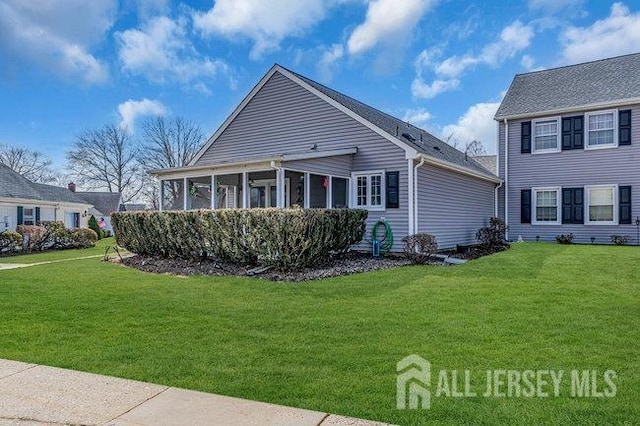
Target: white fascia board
<point x="458" y="169"/>
<point x="318" y="154"/>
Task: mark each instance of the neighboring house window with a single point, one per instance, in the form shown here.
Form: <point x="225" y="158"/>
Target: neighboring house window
<point x="601" y="204"/>
<point x="545" y="135"/>
<point x="29" y="216"/>
<point x="546" y="206"/>
<point x="369" y="190"/>
<point x="601" y="127"/>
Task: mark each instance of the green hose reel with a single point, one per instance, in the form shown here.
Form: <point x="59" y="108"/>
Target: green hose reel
<point x="381" y="242"/>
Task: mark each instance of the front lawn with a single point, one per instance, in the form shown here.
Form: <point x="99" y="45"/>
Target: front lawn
<point x="333" y="345"/>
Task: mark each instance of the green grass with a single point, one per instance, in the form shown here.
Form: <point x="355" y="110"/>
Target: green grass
<point x="333" y="345"/>
<point x="60" y="254"/>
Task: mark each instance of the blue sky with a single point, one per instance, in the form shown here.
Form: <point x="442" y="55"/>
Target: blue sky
<point x="69" y="65"/>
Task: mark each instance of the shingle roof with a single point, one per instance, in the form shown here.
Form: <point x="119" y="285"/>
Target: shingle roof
<point x="424" y="142"/>
<point x="597" y="82"/>
<point x="489" y="162"/>
<point x="104" y="202"/>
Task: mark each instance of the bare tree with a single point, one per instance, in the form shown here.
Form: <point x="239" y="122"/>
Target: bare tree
<point x="106" y="158"/>
<point x="165" y="144"/>
<point x="32" y="164"/>
<point x="472" y="148"/>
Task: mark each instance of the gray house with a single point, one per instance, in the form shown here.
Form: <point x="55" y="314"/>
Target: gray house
<point x="569" y="151"/>
<point x="293" y="141"/>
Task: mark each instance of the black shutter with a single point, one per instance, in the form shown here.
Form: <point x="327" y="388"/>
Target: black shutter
<point x="393" y="190"/>
<point x="525" y="206"/>
<point x="624" y="201"/>
<point x="572" y="132"/>
<point x="624" y="127"/>
<point x="20" y="215"/>
<point x="37" y="215"/>
<point x="572" y="205"/>
<point x="525" y="135"/>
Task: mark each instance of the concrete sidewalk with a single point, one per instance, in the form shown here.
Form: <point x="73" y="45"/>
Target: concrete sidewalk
<point x="33" y="395"/>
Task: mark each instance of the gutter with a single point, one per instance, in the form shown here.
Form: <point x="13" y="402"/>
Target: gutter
<point x="459" y="169"/>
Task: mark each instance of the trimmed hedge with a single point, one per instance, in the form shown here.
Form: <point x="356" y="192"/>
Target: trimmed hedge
<point x="53" y="235"/>
<point x="281" y="238"/>
<point x="10" y="241"/>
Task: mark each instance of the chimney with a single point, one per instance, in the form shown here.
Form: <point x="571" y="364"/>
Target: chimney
<point x="72" y="187"/>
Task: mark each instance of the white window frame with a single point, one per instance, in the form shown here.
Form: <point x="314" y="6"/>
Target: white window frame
<point x="614" y="112"/>
<point x="31" y="218"/>
<point x="534" y="199"/>
<point x="558" y="147"/>
<point x="587" y="204"/>
<point x="354" y="190"/>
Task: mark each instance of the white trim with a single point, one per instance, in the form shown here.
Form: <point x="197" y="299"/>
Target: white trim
<point x="571" y="109"/>
<point x="458" y="169"/>
<point x="307" y="190"/>
<point x="185" y="193"/>
<point x="368" y="174"/>
<point x="318" y="154"/>
<point x="506" y="176"/>
<point x="245" y="190"/>
<point x="411" y="190"/>
<point x="614" y="113"/>
<point x="614" y="189"/>
<point x="534" y="216"/>
<point x="214" y="192"/>
<point x="536" y="121"/>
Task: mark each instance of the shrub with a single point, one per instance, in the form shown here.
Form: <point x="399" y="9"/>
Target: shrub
<point x="10" y="241"/>
<point x="33" y="236"/>
<point x="619" y="240"/>
<point x="282" y="238"/>
<point x="419" y="248"/>
<point x="93" y="225"/>
<point x="83" y="238"/>
<point x="564" y="238"/>
<point x="494" y="235"/>
<point x="106" y="233"/>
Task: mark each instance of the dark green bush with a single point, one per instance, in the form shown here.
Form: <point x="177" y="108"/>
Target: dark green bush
<point x="494" y="235"/>
<point x="282" y="238"/>
<point x="93" y="225"/>
<point x="10" y="241"/>
<point x="419" y="248"/>
<point x="565" y="238"/>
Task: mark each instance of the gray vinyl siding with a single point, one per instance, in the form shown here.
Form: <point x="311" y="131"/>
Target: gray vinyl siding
<point x="451" y="206"/>
<point x="283" y="117"/>
<point x="340" y="165"/>
<point x="572" y="168"/>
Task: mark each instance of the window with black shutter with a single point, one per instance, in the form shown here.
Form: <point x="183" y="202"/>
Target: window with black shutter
<point x="572" y="132"/>
<point x="624" y="127"/>
<point x="624" y="201"/>
<point x="525" y="135"/>
<point x="393" y="190"/>
<point x="525" y="206"/>
<point x="572" y="205"/>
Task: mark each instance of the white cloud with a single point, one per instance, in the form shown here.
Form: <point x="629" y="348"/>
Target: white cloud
<point x="422" y="90"/>
<point x="386" y="20"/>
<point x="266" y="23"/>
<point x="618" y="34"/>
<point x="130" y="110"/>
<point x="513" y="39"/>
<point x="150" y="8"/>
<point x="161" y="51"/>
<point x="475" y="124"/>
<point x="553" y="5"/>
<point x="52" y="35"/>
<point x="418" y="117"/>
<point x="326" y="64"/>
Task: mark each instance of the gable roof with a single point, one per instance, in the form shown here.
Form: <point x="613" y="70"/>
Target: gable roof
<point x="592" y="84"/>
<point x="413" y="140"/>
<point x="104" y="202"/>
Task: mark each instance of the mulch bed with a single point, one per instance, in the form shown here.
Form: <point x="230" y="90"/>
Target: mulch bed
<point x="350" y="263"/>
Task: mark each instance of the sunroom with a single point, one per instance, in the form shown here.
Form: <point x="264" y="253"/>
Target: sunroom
<point x="312" y="180"/>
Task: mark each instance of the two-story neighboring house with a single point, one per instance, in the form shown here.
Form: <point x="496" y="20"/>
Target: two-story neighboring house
<point x="569" y="151"/>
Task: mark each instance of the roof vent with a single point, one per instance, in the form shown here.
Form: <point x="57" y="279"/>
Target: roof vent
<point x="437" y="148"/>
<point x="409" y="137"/>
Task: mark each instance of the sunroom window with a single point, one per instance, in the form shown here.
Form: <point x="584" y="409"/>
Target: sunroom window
<point x="369" y="190"/>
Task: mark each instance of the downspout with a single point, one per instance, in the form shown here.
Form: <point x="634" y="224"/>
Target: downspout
<point x="506" y="176"/>
<point x="495" y="198"/>
<point x="415" y="194"/>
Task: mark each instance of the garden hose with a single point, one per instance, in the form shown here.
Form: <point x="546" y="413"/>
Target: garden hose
<point x="386" y="240"/>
